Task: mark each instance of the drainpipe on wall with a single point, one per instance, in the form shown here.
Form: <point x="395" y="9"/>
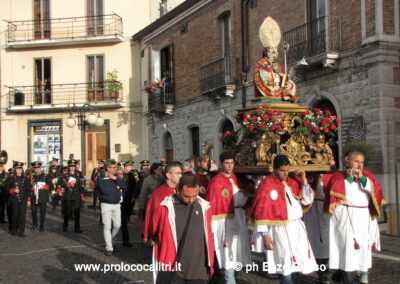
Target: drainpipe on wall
<point x="0" y="101"/>
<point x="245" y="44"/>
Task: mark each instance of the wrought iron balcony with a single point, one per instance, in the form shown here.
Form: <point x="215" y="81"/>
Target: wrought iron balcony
<point x="65" y="31"/>
<point x="216" y="77"/>
<point x="61" y="96"/>
<point x="162" y="100"/>
<point x="319" y="37"/>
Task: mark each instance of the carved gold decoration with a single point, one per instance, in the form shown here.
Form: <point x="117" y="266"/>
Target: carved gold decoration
<point x="263" y="150"/>
<point x="295" y="149"/>
<point x="322" y="152"/>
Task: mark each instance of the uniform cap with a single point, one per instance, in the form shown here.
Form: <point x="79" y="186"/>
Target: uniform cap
<point x="17" y="164"/>
<point x="36" y="164"/>
<point x="128" y="163"/>
<point x="72" y="162"/>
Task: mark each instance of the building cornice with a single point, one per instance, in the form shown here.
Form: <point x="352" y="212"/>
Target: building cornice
<point x="172" y="18"/>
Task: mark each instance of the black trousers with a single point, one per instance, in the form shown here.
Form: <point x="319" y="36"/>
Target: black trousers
<point x="323" y="262"/>
<point x="131" y="206"/>
<point x="70" y="207"/>
<point x="101" y="216"/>
<point x="96" y="194"/>
<point x="349" y="277"/>
<point x="345" y="277"/>
<point x="3" y="202"/>
<point x="9" y="212"/>
<point x="124" y="222"/>
<point x="18" y="216"/>
<point x="55" y="200"/>
<point x="34" y="208"/>
<point x="164" y="277"/>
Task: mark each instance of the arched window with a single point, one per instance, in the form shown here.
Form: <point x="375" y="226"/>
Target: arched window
<point x="227" y="125"/>
<point x="168" y="147"/>
<point x="194" y="133"/>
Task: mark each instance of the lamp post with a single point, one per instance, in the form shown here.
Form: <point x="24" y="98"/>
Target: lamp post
<point x="92" y="118"/>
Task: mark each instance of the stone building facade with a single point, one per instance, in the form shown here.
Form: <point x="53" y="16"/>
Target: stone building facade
<point x="208" y="51"/>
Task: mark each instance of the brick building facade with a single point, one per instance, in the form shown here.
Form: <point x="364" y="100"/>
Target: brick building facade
<point x="206" y="51"/>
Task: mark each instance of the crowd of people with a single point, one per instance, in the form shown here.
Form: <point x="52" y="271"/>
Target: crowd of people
<point x="286" y="210"/>
<point x="197" y="219"/>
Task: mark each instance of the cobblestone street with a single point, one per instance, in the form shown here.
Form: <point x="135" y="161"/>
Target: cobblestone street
<point x="50" y="257"/>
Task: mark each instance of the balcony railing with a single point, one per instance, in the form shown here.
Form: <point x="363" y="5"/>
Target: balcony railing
<point x="216" y="75"/>
<point x="72" y="29"/>
<point x="60" y="95"/>
<point x="162" y="99"/>
<point x="320" y="36"/>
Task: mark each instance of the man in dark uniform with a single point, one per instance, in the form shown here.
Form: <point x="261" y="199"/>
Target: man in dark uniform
<point x="72" y="196"/>
<point x="144" y="172"/>
<point x="54" y="162"/>
<point x="144" y="164"/>
<point x="19" y="194"/>
<point x="3" y="191"/>
<point x="95" y="173"/>
<point x="163" y="163"/>
<point x="97" y="177"/>
<point x="127" y="200"/>
<point x="39" y="195"/>
<point x="132" y="177"/>
<point x="64" y="170"/>
<point x="81" y="176"/>
<point x="52" y="179"/>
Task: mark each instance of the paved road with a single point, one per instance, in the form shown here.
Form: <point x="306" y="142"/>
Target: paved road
<point x="51" y="256"/>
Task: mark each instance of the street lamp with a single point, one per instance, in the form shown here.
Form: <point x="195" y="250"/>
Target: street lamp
<point x="92" y="118"/>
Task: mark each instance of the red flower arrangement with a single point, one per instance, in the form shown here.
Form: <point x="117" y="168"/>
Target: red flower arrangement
<point x="263" y="119"/>
<point x="151" y="87"/>
<point x="316" y="122"/>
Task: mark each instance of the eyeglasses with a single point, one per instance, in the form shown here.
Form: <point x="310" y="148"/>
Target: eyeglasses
<point x="177" y="173"/>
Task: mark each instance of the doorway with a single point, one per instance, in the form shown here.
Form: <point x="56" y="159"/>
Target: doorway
<point x="168" y="147"/>
<point x="97" y="140"/>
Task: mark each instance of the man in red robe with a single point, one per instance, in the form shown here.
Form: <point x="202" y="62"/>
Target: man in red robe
<point x="229" y="226"/>
<point x="277" y="211"/>
<point x="317" y="224"/>
<point x="172" y="174"/>
<point x="182" y="229"/>
<point x="203" y="174"/>
<point x="354" y="200"/>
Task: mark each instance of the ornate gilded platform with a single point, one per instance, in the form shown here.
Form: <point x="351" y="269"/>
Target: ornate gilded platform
<point x="257" y="148"/>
